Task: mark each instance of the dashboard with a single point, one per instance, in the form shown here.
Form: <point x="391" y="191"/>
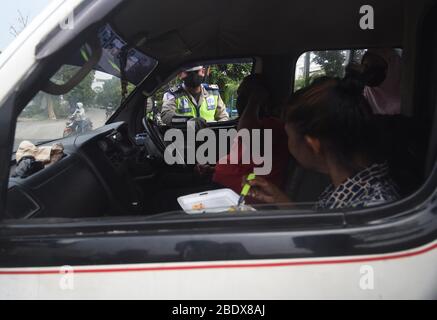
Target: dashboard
<point x="96" y="177"/>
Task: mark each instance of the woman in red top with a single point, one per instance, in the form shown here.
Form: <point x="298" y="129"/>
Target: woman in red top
<point x="253" y="99"/>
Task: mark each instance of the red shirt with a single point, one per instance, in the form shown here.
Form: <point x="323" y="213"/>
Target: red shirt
<point x="231" y="175"/>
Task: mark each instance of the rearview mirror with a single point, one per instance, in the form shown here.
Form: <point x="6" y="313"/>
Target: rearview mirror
<point x="63" y="88"/>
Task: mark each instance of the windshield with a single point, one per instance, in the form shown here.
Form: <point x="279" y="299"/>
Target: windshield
<point x="90" y="104"/>
<point x="115" y="50"/>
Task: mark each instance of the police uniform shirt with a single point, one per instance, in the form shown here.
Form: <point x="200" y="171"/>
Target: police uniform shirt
<point x="208" y="93"/>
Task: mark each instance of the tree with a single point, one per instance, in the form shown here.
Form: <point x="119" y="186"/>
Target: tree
<point x="22" y="21"/>
<point x="227" y="77"/>
<point x="110" y="95"/>
<point x="15" y="30"/>
<point x="332" y="62"/>
<point x="83" y="92"/>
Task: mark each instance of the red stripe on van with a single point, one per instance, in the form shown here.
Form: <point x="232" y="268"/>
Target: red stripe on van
<point x="230" y="266"/>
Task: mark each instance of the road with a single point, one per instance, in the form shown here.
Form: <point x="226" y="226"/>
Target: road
<point x="37" y="130"/>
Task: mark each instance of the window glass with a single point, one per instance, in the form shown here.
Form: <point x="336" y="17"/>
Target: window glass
<point x="225" y="78"/>
<point x="90" y="104"/>
<point x="87" y="107"/>
<point x="331" y="63"/>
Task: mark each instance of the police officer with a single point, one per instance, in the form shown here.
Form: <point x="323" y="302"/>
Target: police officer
<point x="194" y="99"/>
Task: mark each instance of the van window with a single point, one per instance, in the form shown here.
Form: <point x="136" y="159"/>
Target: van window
<point x="87" y="107"/>
<point x="226" y="77"/>
<point x="90" y="104"/>
<point x="331" y="63"/>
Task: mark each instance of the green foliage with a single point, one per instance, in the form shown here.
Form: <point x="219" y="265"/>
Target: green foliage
<point x="357" y="55"/>
<point x="227" y="77"/>
<point x="82" y="92"/>
<point x="110" y="95"/>
<point x="38" y="108"/>
<point x="34" y="110"/>
<point x="332" y="62"/>
<point x="301" y="82"/>
<point x="61" y="108"/>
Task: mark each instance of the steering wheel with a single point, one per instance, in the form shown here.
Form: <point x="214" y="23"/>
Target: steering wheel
<point x="156" y="144"/>
<point x="154" y="140"/>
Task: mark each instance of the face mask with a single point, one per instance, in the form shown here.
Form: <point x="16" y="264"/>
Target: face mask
<point x="193" y="80"/>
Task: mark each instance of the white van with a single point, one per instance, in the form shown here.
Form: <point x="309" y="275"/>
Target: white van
<point x="99" y="221"/>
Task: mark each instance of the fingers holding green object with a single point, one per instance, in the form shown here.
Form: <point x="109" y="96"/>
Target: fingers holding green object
<point x="253" y="187"/>
<point x="246" y="186"/>
<point x="263" y="190"/>
<point x="247" y="179"/>
<point x="259" y="182"/>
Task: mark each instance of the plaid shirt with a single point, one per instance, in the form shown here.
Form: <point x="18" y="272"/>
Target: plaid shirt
<point x="370" y="187"/>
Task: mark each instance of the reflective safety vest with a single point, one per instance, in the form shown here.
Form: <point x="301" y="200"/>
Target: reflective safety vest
<point x="208" y="108"/>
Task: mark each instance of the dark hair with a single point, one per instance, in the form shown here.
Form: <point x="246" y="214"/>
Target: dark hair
<point x="371" y="74"/>
<point x="336" y="112"/>
<point x="247" y="86"/>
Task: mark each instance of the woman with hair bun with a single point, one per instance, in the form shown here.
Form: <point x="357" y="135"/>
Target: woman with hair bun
<point x="381" y="72"/>
<point x="330" y="129"/>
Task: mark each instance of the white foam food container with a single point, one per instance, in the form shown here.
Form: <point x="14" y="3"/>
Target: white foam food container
<point x="209" y="202"/>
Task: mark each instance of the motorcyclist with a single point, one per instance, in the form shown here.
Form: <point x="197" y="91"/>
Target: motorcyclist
<point x="80" y="117"/>
<point x="109" y="110"/>
<point x="80" y="111"/>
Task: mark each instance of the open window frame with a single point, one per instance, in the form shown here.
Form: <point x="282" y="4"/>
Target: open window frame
<point x="408" y="223"/>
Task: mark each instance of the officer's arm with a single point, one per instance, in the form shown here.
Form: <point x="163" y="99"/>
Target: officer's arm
<point x="168" y="108"/>
<point x="221" y="113"/>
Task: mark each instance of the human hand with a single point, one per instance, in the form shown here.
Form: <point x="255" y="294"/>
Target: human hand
<point x="265" y="191"/>
<point x="199" y="123"/>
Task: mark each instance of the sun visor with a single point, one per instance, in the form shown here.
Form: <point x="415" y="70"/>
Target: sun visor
<point x="167" y="46"/>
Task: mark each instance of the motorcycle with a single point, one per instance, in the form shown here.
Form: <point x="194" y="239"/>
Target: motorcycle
<point x="75" y="126"/>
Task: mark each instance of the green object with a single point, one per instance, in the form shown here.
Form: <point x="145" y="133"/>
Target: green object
<point x="207" y="110"/>
<point x="246" y="188"/>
